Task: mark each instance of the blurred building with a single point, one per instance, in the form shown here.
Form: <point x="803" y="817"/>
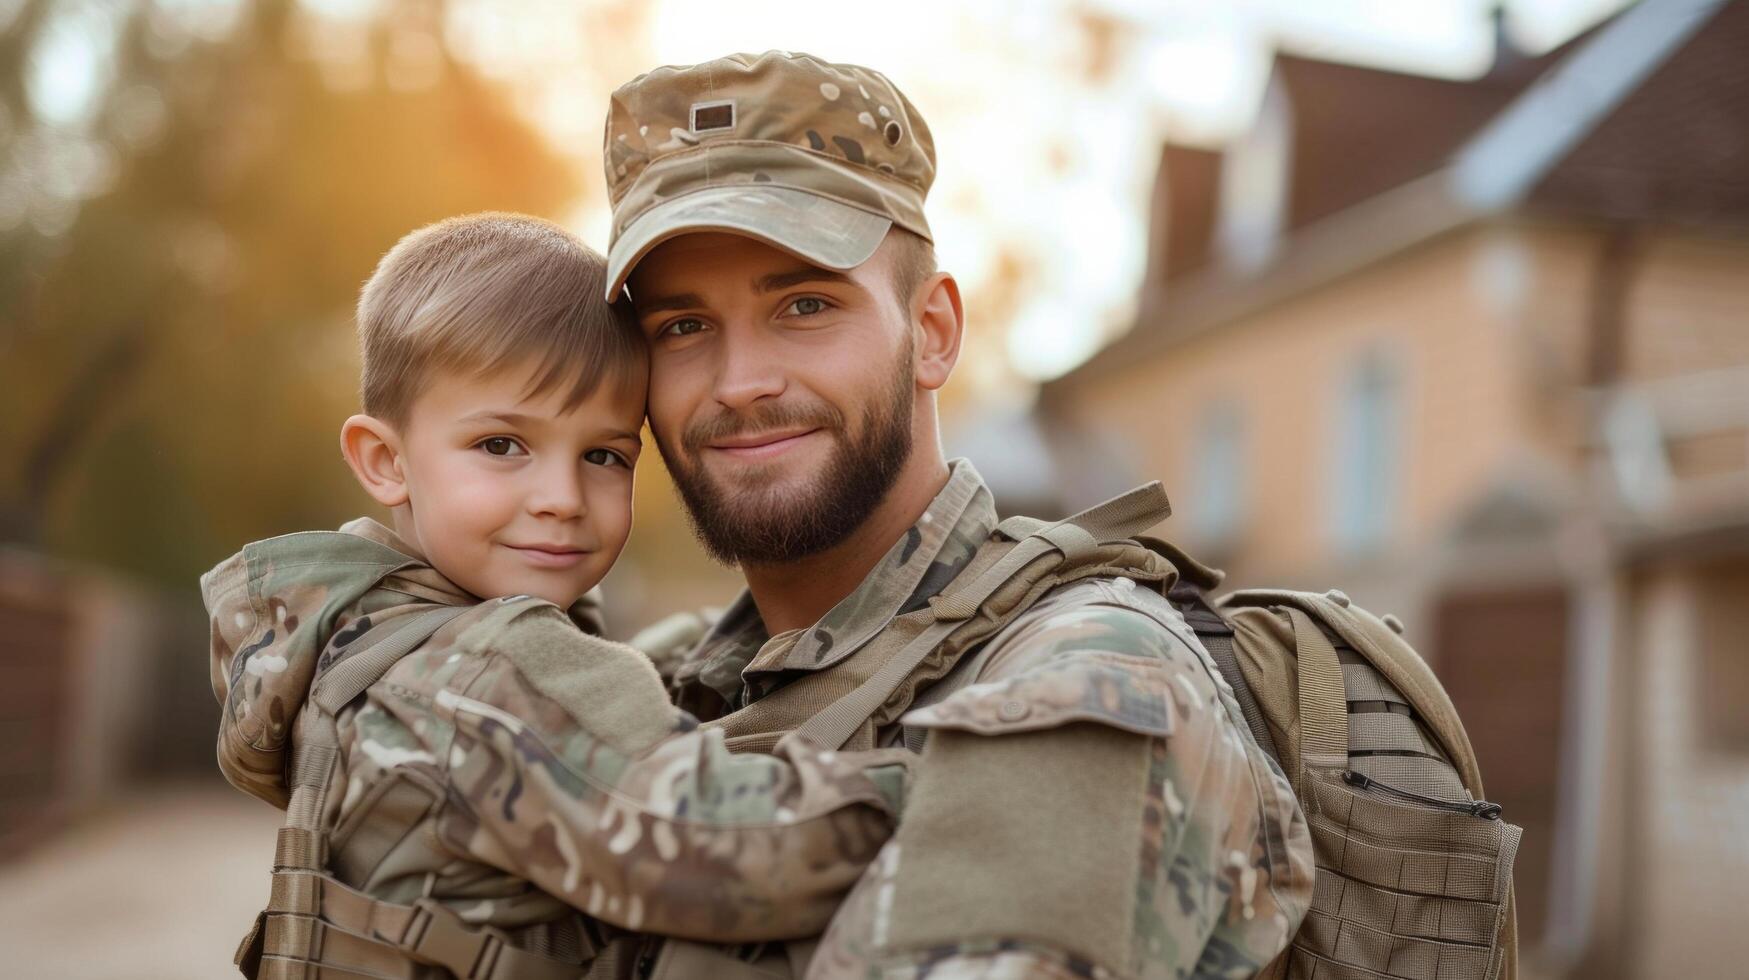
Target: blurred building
<point x="1478" y="351"/>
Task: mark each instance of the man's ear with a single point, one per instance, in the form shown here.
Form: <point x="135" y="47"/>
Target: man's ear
<point x="941" y="324"/>
<point x="372" y="448"/>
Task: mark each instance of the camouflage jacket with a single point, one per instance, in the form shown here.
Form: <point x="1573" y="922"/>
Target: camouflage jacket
<point x="567" y="780"/>
<point x="1154" y="840"/>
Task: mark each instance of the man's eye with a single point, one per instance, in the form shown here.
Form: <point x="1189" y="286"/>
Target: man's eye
<point x="501" y="446"/>
<point x="808" y="306"/>
<point x="683" y="327"/>
<point x="605" y="457"/>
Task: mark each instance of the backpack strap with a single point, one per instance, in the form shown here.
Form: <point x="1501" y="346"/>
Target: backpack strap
<point x="1070" y="539"/>
<point x="314" y="923"/>
<point x="1393" y="658"/>
<point x="1190" y="597"/>
<point x="1323" y="702"/>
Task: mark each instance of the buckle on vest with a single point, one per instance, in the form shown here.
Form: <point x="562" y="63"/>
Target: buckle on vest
<point x="438" y="936"/>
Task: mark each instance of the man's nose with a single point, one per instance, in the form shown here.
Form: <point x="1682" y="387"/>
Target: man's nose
<point x="749" y="368"/>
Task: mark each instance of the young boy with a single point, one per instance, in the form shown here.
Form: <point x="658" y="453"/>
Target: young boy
<point x="503" y="767"/>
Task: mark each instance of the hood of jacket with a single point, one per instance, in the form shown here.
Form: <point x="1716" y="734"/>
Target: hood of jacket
<point x="274" y="608"/>
<point x="279" y="605"/>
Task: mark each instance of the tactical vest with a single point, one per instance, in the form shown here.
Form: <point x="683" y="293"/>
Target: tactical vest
<point x="1414" y="867"/>
<point x="920" y="658"/>
<point x="315" y="927"/>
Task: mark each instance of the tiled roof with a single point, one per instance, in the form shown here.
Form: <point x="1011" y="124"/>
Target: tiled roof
<point x="1676" y="149"/>
<point x="1645" y="118"/>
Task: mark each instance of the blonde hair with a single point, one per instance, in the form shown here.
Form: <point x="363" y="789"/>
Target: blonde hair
<point x="481" y="292"/>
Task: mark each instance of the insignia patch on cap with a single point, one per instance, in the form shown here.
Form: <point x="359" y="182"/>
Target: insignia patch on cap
<point x="708" y="117"/>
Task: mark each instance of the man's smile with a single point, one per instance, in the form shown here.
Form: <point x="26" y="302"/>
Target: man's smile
<point x="761" y="445"/>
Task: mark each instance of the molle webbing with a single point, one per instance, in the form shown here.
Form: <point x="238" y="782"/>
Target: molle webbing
<point x="846" y="706"/>
<point x="317" y="928"/>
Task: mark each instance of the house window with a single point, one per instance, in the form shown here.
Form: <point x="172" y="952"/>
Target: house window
<point x="1218" y="474"/>
<point x="1367" y="463"/>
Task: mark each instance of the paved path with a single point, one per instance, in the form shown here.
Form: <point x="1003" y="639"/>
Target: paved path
<point x="158" y="887"/>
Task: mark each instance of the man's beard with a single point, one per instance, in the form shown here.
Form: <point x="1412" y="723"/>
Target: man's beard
<point x="774" y="524"/>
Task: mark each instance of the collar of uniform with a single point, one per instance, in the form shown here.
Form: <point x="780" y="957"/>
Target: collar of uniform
<point x="421" y="581"/>
<point x="917" y="566"/>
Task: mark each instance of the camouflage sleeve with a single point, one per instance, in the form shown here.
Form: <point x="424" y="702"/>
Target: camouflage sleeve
<point x="569" y="767"/>
<point x="667" y="641"/>
<point x="1090" y="807"/>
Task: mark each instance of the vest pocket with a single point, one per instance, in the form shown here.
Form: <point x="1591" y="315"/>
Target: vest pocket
<point x="1408" y="884"/>
<point x="1475" y="808"/>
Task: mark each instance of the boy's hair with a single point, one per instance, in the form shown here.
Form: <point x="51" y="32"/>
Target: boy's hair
<point x="483" y="291"/>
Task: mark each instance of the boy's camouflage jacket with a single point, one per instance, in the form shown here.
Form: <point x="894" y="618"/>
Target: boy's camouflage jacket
<point x="1089" y="801"/>
<point x="566" y="776"/>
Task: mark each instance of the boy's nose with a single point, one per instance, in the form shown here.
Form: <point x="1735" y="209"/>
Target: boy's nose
<point x="558" y="492"/>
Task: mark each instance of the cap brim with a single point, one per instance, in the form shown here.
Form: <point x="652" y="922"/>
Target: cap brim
<point x="813" y="228"/>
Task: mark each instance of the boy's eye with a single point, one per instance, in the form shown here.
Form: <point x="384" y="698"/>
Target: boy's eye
<point x="501" y="446"/>
<point x="808" y="306"/>
<point x="605" y="457"/>
<point x="683" y="327"/>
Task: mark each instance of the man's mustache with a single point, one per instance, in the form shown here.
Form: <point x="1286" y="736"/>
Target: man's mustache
<point x="730" y="423"/>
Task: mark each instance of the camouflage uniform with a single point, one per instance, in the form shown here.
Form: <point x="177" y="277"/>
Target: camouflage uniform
<point x="1089" y="800"/>
<point x="1021" y="789"/>
<point x="564" y="778"/>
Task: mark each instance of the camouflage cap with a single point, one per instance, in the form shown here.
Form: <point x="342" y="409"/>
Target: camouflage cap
<point x="814" y="158"/>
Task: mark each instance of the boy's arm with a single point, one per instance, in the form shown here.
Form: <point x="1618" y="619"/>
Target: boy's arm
<point x="569" y="767"/>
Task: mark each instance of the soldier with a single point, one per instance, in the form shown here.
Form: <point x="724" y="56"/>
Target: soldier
<point x="1088" y="800"/>
<point x="437" y="753"/>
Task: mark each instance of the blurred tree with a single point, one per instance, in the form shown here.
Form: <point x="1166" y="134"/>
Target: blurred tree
<point x="176" y="360"/>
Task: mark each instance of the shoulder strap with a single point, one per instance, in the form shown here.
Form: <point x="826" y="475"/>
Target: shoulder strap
<point x="1216" y="634"/>
<point x="1069" y="539"/>
<point x="302" y="843"/>
<point x="339" y="685"/>
<point x="1323" y="704"/>
<point x="309" y="909"/>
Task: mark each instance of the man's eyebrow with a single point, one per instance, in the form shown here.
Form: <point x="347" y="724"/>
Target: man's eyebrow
<point x="677" y="301"/>
<point x="808" y="273"/>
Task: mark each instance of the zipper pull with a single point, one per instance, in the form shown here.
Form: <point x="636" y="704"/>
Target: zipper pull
<point x="1485" y="810"/>
<point x="1475" y="808"/>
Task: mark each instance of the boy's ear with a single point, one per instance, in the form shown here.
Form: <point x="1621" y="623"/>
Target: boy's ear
<point x="373" y="449"/>
<point x="941" y="322"/>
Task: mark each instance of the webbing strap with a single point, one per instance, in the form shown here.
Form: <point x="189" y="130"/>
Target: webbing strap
<point x="1220" y="648"/>
<point x="834" y="726"/>
<point x="307" y="902"/>
<point x="305" y="905"/>
<point x="346" y="680"/>
<point x="1123" y="516"/>
<point x="1323" y="700"/>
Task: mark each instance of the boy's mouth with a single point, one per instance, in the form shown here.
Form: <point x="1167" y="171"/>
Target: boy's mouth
<point x="549" y="555"/>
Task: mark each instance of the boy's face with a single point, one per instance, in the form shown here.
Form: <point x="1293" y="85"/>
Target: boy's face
<point x="509" y="494"/>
